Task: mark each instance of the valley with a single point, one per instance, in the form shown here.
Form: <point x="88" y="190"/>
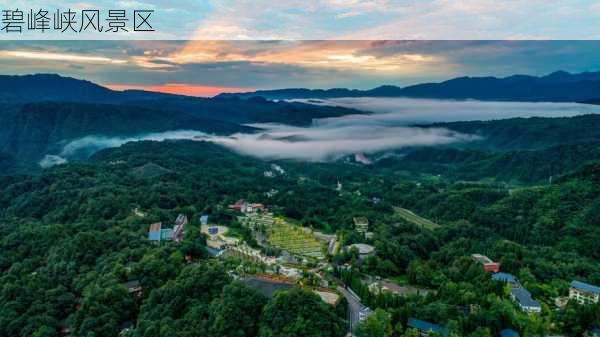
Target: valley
<point x="167" y="215"/>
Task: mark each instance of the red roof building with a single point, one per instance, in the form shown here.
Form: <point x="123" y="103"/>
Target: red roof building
<point x="487" y="263"/>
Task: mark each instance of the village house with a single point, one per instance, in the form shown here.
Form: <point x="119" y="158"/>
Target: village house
<point x="425" y="328"/>
<point x="204" y="219"/>
<point x="178" y="230"/>
<point x="244" y="207"/>
<point x="363" y="249"/>
<point x="584" y="293"/>
<point x="361" y="224"/>
<point x="487" y="263"/>
<point x="524" y="300"/>
<point x="134" y="287"/>
<point x="517" y="293"/>
<point x="239" y="206"/>
<point x="157" y="233"/>
<point x="506" y="278"/>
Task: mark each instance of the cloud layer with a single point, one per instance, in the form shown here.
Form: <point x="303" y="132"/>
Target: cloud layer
<point x="207" y="67"/>
<point x="331" y="141"/>
<point x="388" y="128"/>
<point x="407" y="111"/>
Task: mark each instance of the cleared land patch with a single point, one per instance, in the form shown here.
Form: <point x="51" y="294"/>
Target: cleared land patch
<point x="417" y="220"/>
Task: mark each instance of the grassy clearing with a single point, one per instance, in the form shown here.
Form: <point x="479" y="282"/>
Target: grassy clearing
<point x="412" y="217"/>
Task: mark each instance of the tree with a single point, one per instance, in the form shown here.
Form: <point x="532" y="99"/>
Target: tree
<point x="378" y="324"/>
<point x="237" y="312"/>
<point x="299" y="313"/>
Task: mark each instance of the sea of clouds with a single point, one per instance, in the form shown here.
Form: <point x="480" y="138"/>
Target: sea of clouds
<point x="408" y="111"/>
<point x="389" y="127"/>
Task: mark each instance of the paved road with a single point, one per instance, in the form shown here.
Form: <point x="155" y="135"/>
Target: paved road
<point x="354" y="307"/>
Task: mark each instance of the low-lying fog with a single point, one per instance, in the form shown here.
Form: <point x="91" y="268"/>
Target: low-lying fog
<point x="406" y="111"/>
<point x="389" y="127"/>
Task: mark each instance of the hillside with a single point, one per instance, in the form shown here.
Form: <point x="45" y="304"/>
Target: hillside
<point x="559" y="86"/>
<point x="51" y="87"/>
<point x="254" y="110"/>
<point x="7" y="163"/>
<point x="35" y="129"/>
<point x="43" y="112"/>
<point x="528" y="133"/>
<point x="525" y="166"/>
<point x="71" y="236"/>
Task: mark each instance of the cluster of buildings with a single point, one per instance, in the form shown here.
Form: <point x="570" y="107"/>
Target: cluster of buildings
<point x="157" y="233"/>
<point x="245" y="207"/>
<point x="518" y="293"/>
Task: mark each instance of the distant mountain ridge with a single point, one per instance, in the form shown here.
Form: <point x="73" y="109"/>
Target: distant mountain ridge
<point x="22" y="89"/>
<point x="559" y="86"/>
<point x="40" y="113"/>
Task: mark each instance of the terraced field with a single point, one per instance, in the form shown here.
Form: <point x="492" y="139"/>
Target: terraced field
<point x="286" y="236"/>
<point x="294" y="240"/>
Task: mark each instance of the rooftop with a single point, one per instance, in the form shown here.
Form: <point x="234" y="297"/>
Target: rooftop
<point x="524" y="297"/>
<point x="425" y="326"/>
<point x="588" y="288"/>
<point x="481" y="258"/>
<point x="504" y="277"/>
<point x="362" y="248"/>
<point x="155" y="227"/>
<point x="509" y="333"/>
<point x="133" y="283"/>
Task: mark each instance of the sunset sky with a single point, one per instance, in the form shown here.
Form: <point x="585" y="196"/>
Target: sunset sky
<point x="205" y="68"/>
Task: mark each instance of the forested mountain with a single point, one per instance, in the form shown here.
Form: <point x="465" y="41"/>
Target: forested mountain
<point x="559" y="86"/>
<point x="45" y="87"/>
<point x="71" y="238"/>
<point x="528" y="133"/>
<point x="34" y="129"/>
<point x="41" y="113"/>
<point x="50" y="87"/>
<point x="7" y="163"/>
<point x="255" y="110"/>
<point x="524" y="166"/>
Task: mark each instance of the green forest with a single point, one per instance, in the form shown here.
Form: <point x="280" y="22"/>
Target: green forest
<point x="71" y="242"/>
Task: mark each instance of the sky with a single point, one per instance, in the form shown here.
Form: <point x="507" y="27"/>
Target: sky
<point x="205" y="68"/>
<point x="341" y="19"/>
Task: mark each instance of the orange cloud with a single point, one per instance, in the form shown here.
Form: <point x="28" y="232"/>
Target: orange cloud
<point x="180" y="89"/>
<point x="53" y="56"/>
<point x="350" y="55"/>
